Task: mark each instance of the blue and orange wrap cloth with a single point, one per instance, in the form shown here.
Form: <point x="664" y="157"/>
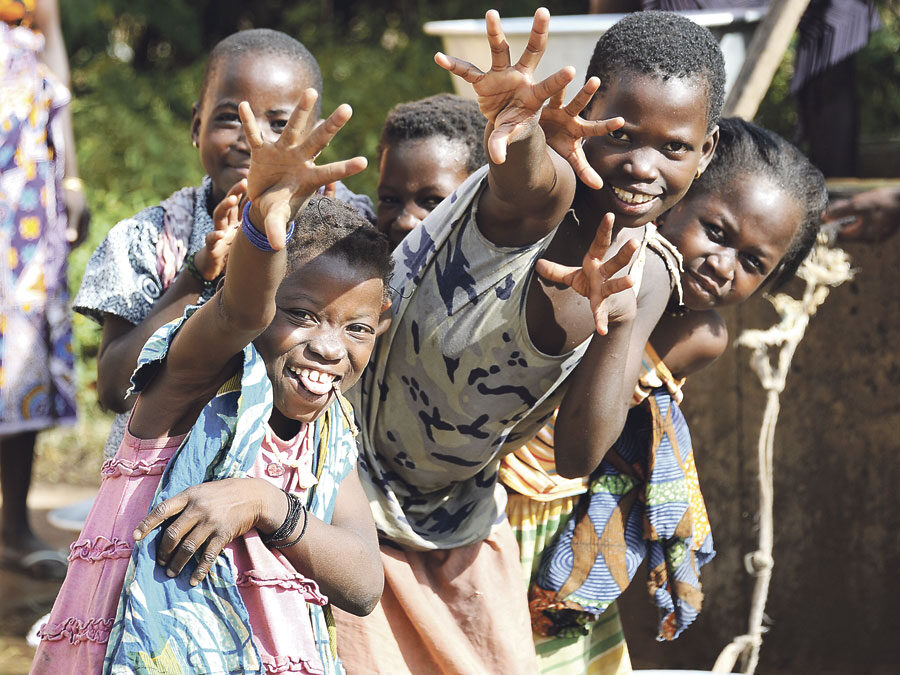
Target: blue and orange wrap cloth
<point x="643" y="502"/>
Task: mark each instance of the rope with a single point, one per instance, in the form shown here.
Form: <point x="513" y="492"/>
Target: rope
<point x="825" y="268"/>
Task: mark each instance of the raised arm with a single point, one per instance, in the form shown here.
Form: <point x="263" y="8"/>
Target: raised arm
<point x="593" y="410"/>
<point x="529" y="186"/>
<point x="122" y="340"/>
<point x="282" y="177"/>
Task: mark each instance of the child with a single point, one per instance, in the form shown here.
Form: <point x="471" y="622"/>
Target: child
<point x="481" y="351"/>
<point x="133" y="282"/>
<point x="750" y="219"/>
<point x="427" y="148"/>
<point x="304" y="312"/>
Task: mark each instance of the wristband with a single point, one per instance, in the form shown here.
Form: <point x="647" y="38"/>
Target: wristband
<point x="191" y="267"/>
<point x="254" y="236"/>
<point x="299" y="536"/>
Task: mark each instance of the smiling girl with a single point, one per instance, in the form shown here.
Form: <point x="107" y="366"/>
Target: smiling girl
<point x="274" y="485"/>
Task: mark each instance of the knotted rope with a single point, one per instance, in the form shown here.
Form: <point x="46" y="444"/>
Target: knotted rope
<point x="825" y="268"/>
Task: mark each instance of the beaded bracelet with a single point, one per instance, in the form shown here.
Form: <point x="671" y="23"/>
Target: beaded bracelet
<point x="191" y="267"/>
<point x="295" y="509"/>
<point x="254" y="236"/>
<point x="299" y="536"/>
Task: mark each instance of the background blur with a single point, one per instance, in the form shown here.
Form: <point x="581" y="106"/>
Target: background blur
<point x="136" y="67"/>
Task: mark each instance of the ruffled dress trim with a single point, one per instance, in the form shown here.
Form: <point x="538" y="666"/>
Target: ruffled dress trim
<point x="99" y="548"/>
<point x="124" y="467"/>
<point x="76" y="631"/>
<point x="287" y="581"/>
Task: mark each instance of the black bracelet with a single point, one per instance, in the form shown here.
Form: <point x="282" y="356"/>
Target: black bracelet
<point x="295" y="508"/>
<point x="191" y="268"/>
<point x="302" y="531"/>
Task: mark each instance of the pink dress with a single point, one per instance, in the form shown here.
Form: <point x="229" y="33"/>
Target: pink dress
<point x="276" y="595"/>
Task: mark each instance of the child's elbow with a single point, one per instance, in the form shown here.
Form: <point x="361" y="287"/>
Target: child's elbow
<point x="366" y="596"/>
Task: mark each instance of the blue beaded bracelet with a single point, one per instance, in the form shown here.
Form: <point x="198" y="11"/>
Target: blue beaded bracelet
<point x="254" y="236"/>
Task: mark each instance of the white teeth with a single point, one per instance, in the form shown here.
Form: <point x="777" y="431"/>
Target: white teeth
<point x="316" y="381"/>
<point x="631" y="197"/>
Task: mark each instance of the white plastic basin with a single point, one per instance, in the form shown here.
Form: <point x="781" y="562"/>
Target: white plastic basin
<point x="572" y="39"/>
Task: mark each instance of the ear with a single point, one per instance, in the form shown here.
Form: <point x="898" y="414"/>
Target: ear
<point x="195" y="124"/>
<point x="708" y="149"/>
<point x="384" y="321"/>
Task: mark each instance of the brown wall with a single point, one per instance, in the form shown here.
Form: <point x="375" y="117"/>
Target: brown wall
<point x="834" y="602"/>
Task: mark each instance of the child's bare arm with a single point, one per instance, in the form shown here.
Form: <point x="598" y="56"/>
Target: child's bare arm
<point x="122" y="340"/>
<point x="690" y="342"/>
<point x="282" y="177"/>
<point x="342" y="557"/>
<point x="530" y="187"/>
<point x="593" y="410"/>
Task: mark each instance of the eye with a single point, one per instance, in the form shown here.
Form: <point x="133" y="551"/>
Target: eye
<point x="302" y="316"/>
<point x="360" y="329"/>
<point x="676" y="147"/>
<point x="752" y="263"/>
<point x="431" y="202"/>
<point x="715" y="233"/>
<point x="387" y="200"/>
<point x="228" y="117"/>
<point x="619" y="135"/>
<point x="278" y="125"/>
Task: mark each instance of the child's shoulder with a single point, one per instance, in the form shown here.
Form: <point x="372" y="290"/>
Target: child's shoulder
<point x="690" y="342"/>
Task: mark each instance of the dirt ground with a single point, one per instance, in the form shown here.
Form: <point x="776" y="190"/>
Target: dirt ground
<point x="24" y="600"/>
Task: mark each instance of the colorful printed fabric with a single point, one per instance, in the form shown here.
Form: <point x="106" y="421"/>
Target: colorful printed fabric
<point x="531" y="470"/>
<point x="17" y="12"/>
<point x="169" y="625"/>
<point x="37" y="388"/>
<point x="603" y="651"/>
<point x="642" y="503"/>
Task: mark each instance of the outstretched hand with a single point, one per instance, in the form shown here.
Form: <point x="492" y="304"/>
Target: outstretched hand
<point x="507" y="94"/>
<point x="870" y="216"/>
<point x="213" y="256"/>
<point x="596" y="279"/>
<point x="566" y="130"/>
<point x="283" y="175"/>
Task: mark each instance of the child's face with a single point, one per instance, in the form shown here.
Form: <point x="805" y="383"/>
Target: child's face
<point x="322" y="335"/>
<point x="271" y="85"/>
<point x="648" y="164"/>
<point x="731" y="239"/>
<point x="414" y="177"/>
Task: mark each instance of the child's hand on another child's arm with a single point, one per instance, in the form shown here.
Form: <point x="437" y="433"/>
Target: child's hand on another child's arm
<point x="529" y="188"/>
<point x="566" y="130"/>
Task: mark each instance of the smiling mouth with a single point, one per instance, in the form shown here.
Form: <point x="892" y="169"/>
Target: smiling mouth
<point x="632" y="197"/>
<point x="706" y="286"/>
<point x="314" y="381"/>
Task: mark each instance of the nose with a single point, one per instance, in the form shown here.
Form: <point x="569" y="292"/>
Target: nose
<point x="722" y="264"/>
<point x="641" y="165"/>
<point x="408" y="219"/>
<point x="327" y="344"/>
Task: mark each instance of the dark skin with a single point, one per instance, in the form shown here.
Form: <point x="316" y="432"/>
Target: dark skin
<point x="650" y="158"/>
<point x="530" y="190"/>
<point x="732" y="239"/>
<point x="255" y="300"/>
<point x="272" y="86"/>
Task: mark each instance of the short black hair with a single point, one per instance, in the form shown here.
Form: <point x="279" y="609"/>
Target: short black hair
<point x="745" y="148"/>
<point x="665" y="45"/>
<point x="446" y="115"/>
<point x="264" y="42"/>
<point x="333" y="227"/>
